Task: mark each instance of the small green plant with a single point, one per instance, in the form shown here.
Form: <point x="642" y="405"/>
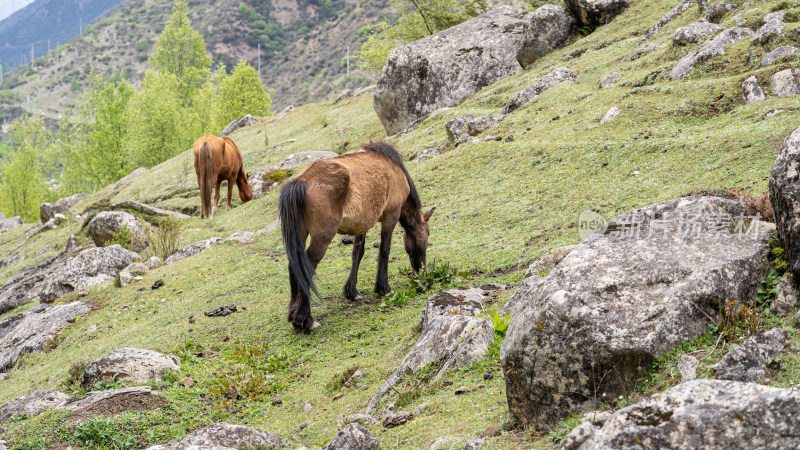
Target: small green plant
<point x="121" y="237"/>
<point x="500" y="323"/>
<point x="563" y="429"/>
<point x="278" y="176"/>
<point x="102" y="433"/>
<point x="340" y="379"/>
<point x="164" y="236"/>
<point x="32" y="444"/>
<point x="737" y="320"/>
<point x="431" y="275"/>
<point x="107" y="385"/>
<point x="396" y="299"/>
<point x="188" y="351"/>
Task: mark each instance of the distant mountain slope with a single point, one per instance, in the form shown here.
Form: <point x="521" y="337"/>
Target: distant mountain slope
<point x="8" y="7"/>
<point x="43" y="20"/>
<point x="303" y="48"/>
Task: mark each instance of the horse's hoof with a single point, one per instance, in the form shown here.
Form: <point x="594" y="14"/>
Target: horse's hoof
<point x="315" y="325"/>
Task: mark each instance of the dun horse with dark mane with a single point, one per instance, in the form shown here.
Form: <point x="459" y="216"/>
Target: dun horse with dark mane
<point x="217" y="159"/>
<point x="348" y="195"/>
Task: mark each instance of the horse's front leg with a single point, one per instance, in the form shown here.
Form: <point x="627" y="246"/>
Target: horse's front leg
<point x="216" y="198"/>
<point x="350" y="291"/>
<point x="230" y="192"/>
<point x="382" y="280"/>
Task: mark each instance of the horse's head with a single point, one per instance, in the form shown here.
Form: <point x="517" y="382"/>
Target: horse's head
<point x="245" y="188"/>
<point x="415" y="240"/>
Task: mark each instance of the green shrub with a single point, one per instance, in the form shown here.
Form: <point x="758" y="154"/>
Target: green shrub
<point x="164" y="236"/>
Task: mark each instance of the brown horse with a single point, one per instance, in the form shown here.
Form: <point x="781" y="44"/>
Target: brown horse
<point x="348" y="195"/>
<point x="217" y="159"/>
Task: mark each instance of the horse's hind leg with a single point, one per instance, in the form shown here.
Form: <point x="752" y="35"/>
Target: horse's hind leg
<point x="216" y="198"/>
<point x="230" y="192"/>
<point x="350" y="290"/>
<point x="382" y="279"/>
<point x="316" y="251"/>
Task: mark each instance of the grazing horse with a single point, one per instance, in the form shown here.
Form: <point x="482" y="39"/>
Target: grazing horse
<point x="217" y="159"/>
<point x="348" y="195"/>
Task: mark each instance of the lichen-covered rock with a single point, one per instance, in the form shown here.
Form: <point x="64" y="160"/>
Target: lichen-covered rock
<point x="63" y="273"/>
<point x="717" y="10"/>
<point x="48" y="211"/>
<point x="463" y="301"/>
<point x="444" y="69"/>
<point x="28" y="332"/>
<point x="193" y="249"/>
<point x="709" y="49"/>
<point x="243" y="122"/>
<point x="347" y="93"/>
<point x="773" y="27"/>
<point x="152" y="210"/>
<point x="770" y="57"/>
<point x="260" y="181"/>
<point x="452" y="340"/>
<point x="549" y="260"/>
<point x="687" y="367"/>
<point x="353" y="437"/>
<point x="695" y="32"/>
<point x="699" y="414"/>
<point x="226" y="435"/>
<point x="153" y="263"/>
<point x="32" y="405"/>
<point x="7" y="224"/>
<point x="610" y="114"/>
<point x="623" y="298"/>
<point x="748" y="361"/>
<point x="428" y="153"/>
<point x="130" y="365"/>
<point x="557" y="76"/>
<point x="784" y="83"/>
<point x="471" y="125"/>
<point x="106" y="224"/>
<point x="784" y="195"/>
<point x="785" y="296"/>
<point x="361" y="419"/>
<point x="241" y="237"/>
<point x="751" y="91"/>
<point x="610" y="80"/>
<point x="131" y="273"/>
<point x="594" y="13"/>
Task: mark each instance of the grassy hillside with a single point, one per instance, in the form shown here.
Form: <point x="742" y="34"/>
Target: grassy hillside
<point x="303" y="45"/>
<point x="499" y="206"/>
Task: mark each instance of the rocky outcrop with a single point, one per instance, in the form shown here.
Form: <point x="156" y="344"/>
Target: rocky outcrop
<point x="709" y="49"/>
<point x="347" y="93"/>
<point x="610" y="80"/>
<point x="131" y="273"/>
<point x="751" y="91"/>
<point x="682" y="6"/>
<point x="548" y="261"/>
<point x="260" y="180"/>
<point x="63" y="273"/>
<point x="716" y="11"/>
<point x="32" y="405"/>
<point x="28" y="332"/>
<point x="699" y="414"/>
<point x="452" y="340"/>
<point x="246" y="121"/>
<point x="785" y="296"/>
<point x="106" y="224"/>
<point x="610" y="114"/>
<point x="241" y="238"/>
<point x="748" y="361"/>
<point x="470" y="125"/>
<point x="226" y="435"/>
<point x="623" y="298"/>
<point x="48" y="211"/>
<point x="96" y="398"/>
<point x="462" y="301"/>
<point x="784" y="83"/>
<point x="784" y="195"/>
<point x="557" y="76"/>
<point x="129" y="365"/>
<point x="695" y="32"/>
<point x="443" y="69"/>
<point x="428" y="153"/>
<point x="193" y="249"/>
<point x="7" y="224"/>
<point x="353" y="437"/>
<point x="770" y="57"/>
<point x="594" y="13"/>
<point x="772" y="27"/>
<point x="147" y="209"/>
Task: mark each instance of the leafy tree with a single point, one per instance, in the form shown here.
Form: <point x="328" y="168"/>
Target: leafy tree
<point x="23" y="187"/>
<point x="415" y="20"/>
<point x="181" y="51"/>
<point x="241" y="93"/>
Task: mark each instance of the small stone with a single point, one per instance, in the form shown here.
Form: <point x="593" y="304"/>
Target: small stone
<point x="397" y="419"/>
<point x="491" y="432"/>
<point x="474" y="444"/>
<point x="688" y="368"/>
<point x="488" y="376"/>
<point x="770" y="57"/>
<point x="277" y="402"/>
<point x="610" y="115"/>
<point x="307" y="407"/>
<point x="338" y="396"/>
<point x="610" y="80"/>
<point x="462" y="390"/>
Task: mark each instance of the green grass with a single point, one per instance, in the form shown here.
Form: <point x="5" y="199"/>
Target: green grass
<point x="499" y="206"/>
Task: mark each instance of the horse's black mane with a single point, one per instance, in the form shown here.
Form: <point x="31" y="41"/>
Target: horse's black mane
<point x="388" y="151"/>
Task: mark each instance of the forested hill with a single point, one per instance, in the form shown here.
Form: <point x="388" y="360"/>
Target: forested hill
<point x="303" y="48"/>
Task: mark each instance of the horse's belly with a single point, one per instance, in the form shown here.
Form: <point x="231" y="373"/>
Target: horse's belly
<point x="353" y="226"/>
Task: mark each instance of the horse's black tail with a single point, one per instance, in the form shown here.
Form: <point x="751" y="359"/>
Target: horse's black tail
<point x="292" y="204"/>
<point x="206" y="159"/>
<point x="393" y="155"/>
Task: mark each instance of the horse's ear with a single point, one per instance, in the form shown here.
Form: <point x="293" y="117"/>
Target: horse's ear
<point x="428" y="214"/>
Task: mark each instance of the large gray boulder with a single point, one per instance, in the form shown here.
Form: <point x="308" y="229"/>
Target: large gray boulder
<point x="716" y="11"/>
<point x="27" y="332"/>
<point x="7" y="224"/>
<point x="784" y="195"/>
<point x="773" y="27"/>
<point x="709" y="49"/>
<point x="549" y="260"/>
<point x="48" y="211"/>
<point x="260" y="181"/>
<point x="784" y="83"/>
<point x="770" y="57"/>
<point x="246" y="121"/>
<point x="32" y="405"/>
<point x="444" y="69"/>
<point x="353" y="437"/>
<point x="452" y="340"/>
<point x="623" y="298"/>
<point x="594" y="13"/>
<point x="130" y="365"/>
<point x="554" y="78"/>
<point x="193" y="249"/>
<point x="63" y="273"/>
<point x="226" y="435"/>
<point x="709" y="414"/>
<point x="748" y="361"/>
<point x="695" y="32"/>
<point x="106" y="224"/>
<point x="751" y="91"/>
